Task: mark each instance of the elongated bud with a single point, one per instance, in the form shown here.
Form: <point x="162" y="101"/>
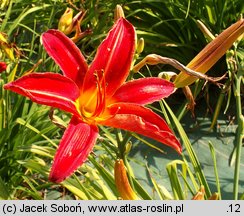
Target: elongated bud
<point x="3" y="66"/>
<point x="65" y="22"/>
<point x="215" y="196"/>
<point x="211" y="53"/>
<point x="6" y="47"/>
<point x="68" y="24"/>
<point x="118" y="13"/>
<point x="205" y="31"/>
<point x="128" y="148"/>
<point x="122" y="182"/>
<point x="200" y="194"/>
<point x="140" y="46"/>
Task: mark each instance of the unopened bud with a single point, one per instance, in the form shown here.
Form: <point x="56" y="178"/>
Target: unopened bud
<point x="215" y="196"/>
<point x="118" y="13"/>
<point x="68" y="24"/>
<point x="168" y="75"/>
<point x="6" y="47"/>
<point x="230" y="54"/>
<point x="210" y="54"/>
<point x="122" y="182"/>
<point x="200" y="194"/>
<point x="140" y="46"/>
<point x="65" y="22"/>
<point x="128" y="147"/>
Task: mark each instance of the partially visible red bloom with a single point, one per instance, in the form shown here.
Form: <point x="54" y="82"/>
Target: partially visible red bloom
<point x="3" y="66"/>
<point x="96" y="95"/>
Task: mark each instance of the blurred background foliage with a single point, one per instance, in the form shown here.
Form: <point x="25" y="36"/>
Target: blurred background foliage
<point x="28" y="139"/>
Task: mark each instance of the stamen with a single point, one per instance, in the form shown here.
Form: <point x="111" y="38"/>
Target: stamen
<point x="95" y="105"/>
<point x="101" y="93"/>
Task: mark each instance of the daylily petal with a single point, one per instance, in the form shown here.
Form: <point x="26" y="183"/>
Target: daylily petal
<point x="144" y="91"/>
<point x="143" y="121"/>
<point x="77" y="142"/>
<point x="114" y="57"/>
<point x="66" y="54"/>
<point x="47" y="88"/>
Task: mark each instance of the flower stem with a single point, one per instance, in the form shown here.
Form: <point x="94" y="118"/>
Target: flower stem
<point x="240" y="130"/>
<point x="239" y="136"/>
<point x="123" y="151"/>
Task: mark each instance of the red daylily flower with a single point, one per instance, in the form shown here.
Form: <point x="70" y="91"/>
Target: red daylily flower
<point x="96" y="95"/>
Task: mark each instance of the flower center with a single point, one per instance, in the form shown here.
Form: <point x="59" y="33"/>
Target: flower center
<point x="93" y="101"/>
